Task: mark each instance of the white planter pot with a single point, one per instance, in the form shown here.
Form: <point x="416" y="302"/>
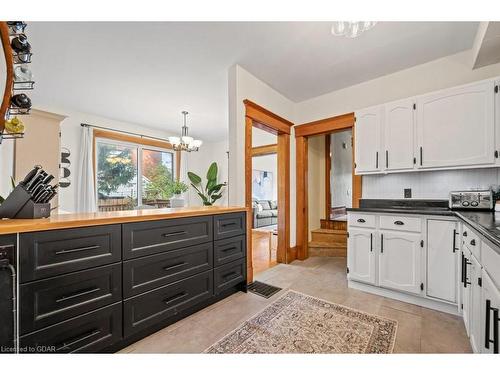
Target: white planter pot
<point x="177" y="201"/>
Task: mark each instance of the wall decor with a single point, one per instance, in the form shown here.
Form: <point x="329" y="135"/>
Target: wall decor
<point x="262" y="184"/>
<point x="64" y="177"/>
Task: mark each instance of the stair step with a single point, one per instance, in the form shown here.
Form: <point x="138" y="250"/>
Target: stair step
<point x="329" y="231"/>
<point x="327" y="245"/>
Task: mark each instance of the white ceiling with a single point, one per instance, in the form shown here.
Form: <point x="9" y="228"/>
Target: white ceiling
<point x="147" y="73"/>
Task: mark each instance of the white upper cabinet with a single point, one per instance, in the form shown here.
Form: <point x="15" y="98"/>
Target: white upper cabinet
<point x="367" y="135"/>
<point x="400" y="261"/>
<point x="399" y="128"/>
<point x="361" y="256"/>
<point x="456" y="127"/>
<point x="442" y="243"/>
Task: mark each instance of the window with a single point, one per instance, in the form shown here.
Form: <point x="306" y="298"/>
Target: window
<point x="118" y="167"/>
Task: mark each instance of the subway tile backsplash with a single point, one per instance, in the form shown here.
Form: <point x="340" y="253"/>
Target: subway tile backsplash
<point x="428" y="185"/>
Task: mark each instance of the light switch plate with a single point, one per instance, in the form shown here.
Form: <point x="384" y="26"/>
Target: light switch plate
<point x="407" y="193"/>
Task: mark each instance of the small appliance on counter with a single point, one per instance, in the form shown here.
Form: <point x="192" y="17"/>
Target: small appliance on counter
<point x="31" y="198"/>
<point x="472" y="200"/>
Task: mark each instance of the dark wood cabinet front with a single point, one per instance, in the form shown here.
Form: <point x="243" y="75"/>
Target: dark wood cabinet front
<point x="229" y="275"/>
<point x="146" y="273"/>
<point x="88" y="333"/>
<point x="52" y="253"/>
<point x="52" y="300"/>
<point x="156" y="306"/>
<point x="100" y="288"/>
<point x="228" y="250"/>
<point x="153" y="237"/>
<point x="229" y="225"/>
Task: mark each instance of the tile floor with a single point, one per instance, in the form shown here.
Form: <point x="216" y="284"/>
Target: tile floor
<point x="420" y="330"/>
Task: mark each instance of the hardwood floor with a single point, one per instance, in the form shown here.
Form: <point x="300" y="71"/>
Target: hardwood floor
<point x="260" y="243"/>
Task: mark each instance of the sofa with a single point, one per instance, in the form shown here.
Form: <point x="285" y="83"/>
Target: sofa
<point x="265" y="213"/>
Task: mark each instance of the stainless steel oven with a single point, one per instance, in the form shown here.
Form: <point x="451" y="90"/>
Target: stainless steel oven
<point x="8" y="306"/>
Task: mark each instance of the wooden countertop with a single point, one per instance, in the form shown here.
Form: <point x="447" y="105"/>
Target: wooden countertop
<point x="62" y="221"/>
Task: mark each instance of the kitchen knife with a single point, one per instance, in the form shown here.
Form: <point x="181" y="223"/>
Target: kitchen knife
<point x="47" y="179"/>
<point x="30" y="175"/>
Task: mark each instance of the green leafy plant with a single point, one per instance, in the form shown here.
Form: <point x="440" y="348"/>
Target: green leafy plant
<point x="160" y="183"/>
<point x="13" y="183"/>
<point x="115" y="167"/>
<point x="212" y="190"/>
<point x="178" y="187"/>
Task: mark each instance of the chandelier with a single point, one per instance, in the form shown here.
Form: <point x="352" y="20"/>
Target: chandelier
<point x="351" y="29"/>
<point x="185" y="142"/>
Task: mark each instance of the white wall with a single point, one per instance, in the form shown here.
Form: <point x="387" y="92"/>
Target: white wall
<point x="341" y="169"/>
<point x="438" y="74"/>
<point x="261" y="137"/>
<point x="198" y="162"/>
<point x="428" y="185"/>
<point x="316" y="181"/>
<point x="71" y="138"/>
<point x="268" y="163"/>
<point x="243" y="85"/>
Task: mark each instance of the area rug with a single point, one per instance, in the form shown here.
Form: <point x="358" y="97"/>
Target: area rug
<point x="298" y="323"/>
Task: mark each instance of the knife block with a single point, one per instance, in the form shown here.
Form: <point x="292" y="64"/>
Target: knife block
<point x="19" y="205"/>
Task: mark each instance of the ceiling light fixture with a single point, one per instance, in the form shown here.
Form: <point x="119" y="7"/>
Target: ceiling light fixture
<point x="351" y="29"/>
<point x="185" y="142"/>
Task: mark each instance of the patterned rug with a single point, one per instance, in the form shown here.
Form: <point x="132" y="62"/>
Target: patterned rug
<point x="298" y="323"/>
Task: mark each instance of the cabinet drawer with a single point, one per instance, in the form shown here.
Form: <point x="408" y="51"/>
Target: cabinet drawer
<point x="229" y="225"/>
<point x="152" y="237"/>
<point x="409" y="224"/>
<point x="89" y="333"/>
<point x="51" y="253"/>
<point x="143" y="274"/>
<point x="361" y="220"/>
<point x="230" y="249"/>
<point x="53" y="300"/>
<point x="491" y="262"/>
<point x="229" y="275"/>
<point x="158" y="305"/>
<point x="472" y="241"/>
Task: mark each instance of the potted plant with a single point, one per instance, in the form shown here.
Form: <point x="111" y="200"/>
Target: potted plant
<point x="212" y="190"/>
<point x="177" y="188"/>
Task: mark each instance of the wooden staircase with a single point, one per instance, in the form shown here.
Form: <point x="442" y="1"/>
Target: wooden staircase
<point x="328" y="243"/>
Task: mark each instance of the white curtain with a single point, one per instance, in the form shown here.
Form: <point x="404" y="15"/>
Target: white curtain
<point x="85" y="192"/>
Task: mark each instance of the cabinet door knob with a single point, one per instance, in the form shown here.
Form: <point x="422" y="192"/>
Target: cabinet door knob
<point x="473" y="242"/>
<point x="399" y="222"/>
<point x="361" y="221"/>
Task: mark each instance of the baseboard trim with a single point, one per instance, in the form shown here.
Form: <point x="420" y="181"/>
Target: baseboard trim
<point x="415" y="300"/>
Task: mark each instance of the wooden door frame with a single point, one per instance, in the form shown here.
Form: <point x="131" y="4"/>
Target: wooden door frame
<point x="257" y="116"/>
<point x="302" y="133"/>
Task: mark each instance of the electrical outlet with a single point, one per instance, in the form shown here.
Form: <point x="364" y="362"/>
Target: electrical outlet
<point x="407" y="193"/>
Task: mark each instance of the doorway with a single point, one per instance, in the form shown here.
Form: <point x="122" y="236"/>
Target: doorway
<point x="306" y="134"/>
<point x="264" y="200"/>
<point x="261" y="121"/>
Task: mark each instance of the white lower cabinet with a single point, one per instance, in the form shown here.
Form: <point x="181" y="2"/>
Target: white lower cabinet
<point x="400" y="261"/>
<point x="475" y="315"/>
<point x="490" y="309"/>
<point x="466" y="290"/>
<point x="442" y="254"/>
<point x="361" y="256"/>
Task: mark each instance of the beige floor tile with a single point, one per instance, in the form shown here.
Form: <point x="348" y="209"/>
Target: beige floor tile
<point x="443" y="333"/>
<point x="408" y="332"/>
<point x="419" y="329"/>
